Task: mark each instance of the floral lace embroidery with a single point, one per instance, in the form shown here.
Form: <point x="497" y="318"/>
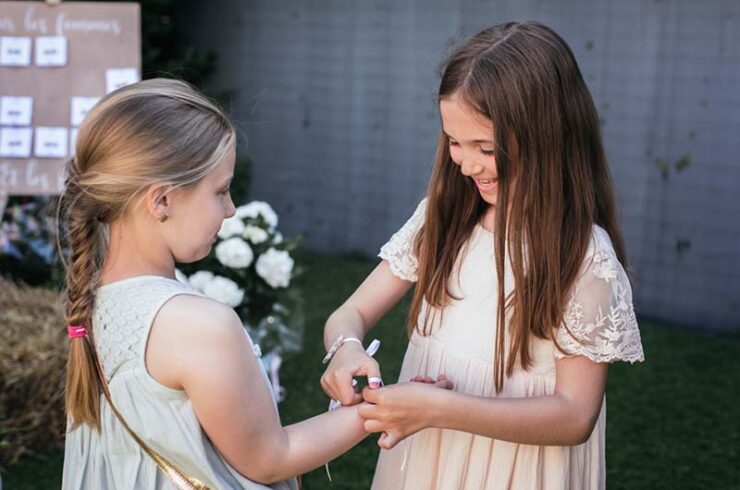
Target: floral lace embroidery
<point x="604" y="267"/>
<point x="399" y="249"/>
<point x="611" y="334"/>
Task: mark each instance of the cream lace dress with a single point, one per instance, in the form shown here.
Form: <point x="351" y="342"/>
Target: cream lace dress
<point x="163" y="417"/>
<point x="601" y="319"/>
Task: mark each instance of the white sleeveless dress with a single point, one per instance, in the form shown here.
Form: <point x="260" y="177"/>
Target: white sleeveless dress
<point x="602" y="326"/>
<point x="162" y="416"/>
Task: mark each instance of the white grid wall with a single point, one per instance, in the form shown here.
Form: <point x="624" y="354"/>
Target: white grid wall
<point x="336" y="99"/>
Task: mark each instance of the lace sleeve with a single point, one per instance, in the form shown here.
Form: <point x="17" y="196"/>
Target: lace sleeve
<point x="399" y="250"/>
<point x="599" y="320"/>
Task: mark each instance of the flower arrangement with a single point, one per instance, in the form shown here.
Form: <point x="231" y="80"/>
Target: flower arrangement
<point x="28" y="240"/>
<point x="251" y="269"/>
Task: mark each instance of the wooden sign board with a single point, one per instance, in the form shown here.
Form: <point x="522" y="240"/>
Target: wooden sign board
<point x="56" y="61"/>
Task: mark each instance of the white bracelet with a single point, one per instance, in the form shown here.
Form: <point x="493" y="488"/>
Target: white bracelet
<point x="370" y="351"/>
<point x="336" y="345"/>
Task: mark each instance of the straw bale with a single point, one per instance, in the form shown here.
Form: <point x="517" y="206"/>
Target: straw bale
<point x="33" y="354"/>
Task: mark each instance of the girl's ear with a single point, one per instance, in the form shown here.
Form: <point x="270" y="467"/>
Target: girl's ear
<point x="157" y="202"/>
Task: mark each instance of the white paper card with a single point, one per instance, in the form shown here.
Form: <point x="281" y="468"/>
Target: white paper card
<point x="73" y="140"/>
<point x="15" y="51"/>
<point x="16" y="111"/>
<point x="15" y="142"/>
<point x="51" y="51"/>
<point x="116" y="78"/>
<point x="80" y="106"/>
<point x="51" y="142"/>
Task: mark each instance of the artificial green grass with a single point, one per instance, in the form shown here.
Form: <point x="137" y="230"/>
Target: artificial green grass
<point x="673" y="422"/>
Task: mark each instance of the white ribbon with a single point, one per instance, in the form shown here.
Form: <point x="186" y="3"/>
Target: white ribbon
<point x="278" y="392"/>
<point x="334" y="404"/>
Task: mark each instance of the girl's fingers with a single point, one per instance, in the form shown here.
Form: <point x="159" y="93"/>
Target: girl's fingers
<point x="445" y="384"/>
<point x="428" y="379"/>
<point x="365" y="411"/>
<point x="388" y="440"/>
<point x="329" y="385"/>
<point x="371" y="369"/>
<point x="325" y="386"/>
<point x="344" y="391"/>
<point x="371" y="425"/>
<point x="381" y="440"/>
<point x="372" y="395"/>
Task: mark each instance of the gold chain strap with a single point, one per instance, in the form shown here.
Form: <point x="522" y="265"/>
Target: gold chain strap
<point x="172" y="471"/>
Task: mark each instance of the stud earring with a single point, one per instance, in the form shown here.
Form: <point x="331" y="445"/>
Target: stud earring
<point x="163" y="218"/>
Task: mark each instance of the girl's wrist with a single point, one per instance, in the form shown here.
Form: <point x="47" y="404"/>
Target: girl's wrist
<point x="438" y="409"/>
<point x="339" y="332"/>
<point x="340" y="341"/>
<point x="358" y="423"/>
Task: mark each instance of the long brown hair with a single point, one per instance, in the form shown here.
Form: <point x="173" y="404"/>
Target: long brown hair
<point x="552" y="178"/>
<point x="155" y="131"/>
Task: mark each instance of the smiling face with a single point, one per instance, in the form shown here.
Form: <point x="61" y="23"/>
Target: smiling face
<point x="471" y="145"/>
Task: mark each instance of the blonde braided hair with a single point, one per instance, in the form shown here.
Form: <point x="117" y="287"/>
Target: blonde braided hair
<point x="152" y="132"/>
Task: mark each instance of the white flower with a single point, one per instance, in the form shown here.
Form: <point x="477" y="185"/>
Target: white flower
<point x="275" y="267"/>
<point x="180" y="276"/>
<point x="231" y="227"/>
<point x="234" y="253"/>
<point x="278" y="238"/>
<point x="200" y="279"/>
<point x="224" y="290"/>
<point x="255" y="234"/>
<point x="256" y="208"/>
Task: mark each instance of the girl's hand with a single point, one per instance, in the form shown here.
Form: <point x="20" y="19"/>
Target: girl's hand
<point x="430" y="381"/>
<point x="401" y="410"/>
<point x="349" y="361"/>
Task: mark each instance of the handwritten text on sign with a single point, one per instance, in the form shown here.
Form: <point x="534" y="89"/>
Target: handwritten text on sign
<point x="56" y="62"/>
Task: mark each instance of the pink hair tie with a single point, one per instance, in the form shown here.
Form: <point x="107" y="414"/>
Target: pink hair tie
<point x="75" y="331"/>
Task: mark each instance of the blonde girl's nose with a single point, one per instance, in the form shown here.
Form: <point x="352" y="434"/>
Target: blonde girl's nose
<point x="230" y="208"/>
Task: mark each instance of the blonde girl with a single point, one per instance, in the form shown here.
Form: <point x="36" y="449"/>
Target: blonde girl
<point x="149" y="187"/>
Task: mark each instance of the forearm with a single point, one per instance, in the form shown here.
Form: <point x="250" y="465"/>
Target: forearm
<point x="376" y="295"/>
<point x="345" y="321"/>
<point x="551" y="420"/>
<point x="313" y="442"/>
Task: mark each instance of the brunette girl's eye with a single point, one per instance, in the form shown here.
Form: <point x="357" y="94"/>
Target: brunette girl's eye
<point x="488" y="153"/>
